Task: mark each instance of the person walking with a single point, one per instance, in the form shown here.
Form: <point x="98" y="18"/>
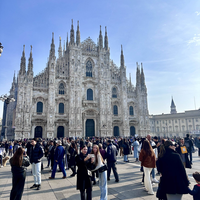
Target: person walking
<point x="58" y="160"/>
<point x="174" y="181"/>
<point x="99" y="162"/>
<point x="84" y="182"/>
<point x="135" y="149"/>
<point x="67" y="154"/>
<point x="36" y="154"/>
<point x="189" y="145"/>
<point x="18" y="167"/>
<point x="126" y="151"/>
<point x="2" y="151"/>
<point x="111" y="156"/>
<point x="148" y="161"/>
<point x="73" y="152"/>
<point x="10" y="149"/>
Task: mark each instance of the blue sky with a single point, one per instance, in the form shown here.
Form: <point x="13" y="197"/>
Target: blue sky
<point x="163" y="35"/>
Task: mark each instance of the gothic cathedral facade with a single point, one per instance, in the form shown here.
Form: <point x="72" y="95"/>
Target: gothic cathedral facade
<point x="82" y="93"/>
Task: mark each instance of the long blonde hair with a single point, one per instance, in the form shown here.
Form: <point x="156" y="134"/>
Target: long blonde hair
<point x="97" y="153"/>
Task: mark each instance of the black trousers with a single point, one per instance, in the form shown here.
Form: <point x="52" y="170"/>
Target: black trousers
<point x="113" y="166"/>
<point x="18" y="180"/>
<point x="88" y="192"/>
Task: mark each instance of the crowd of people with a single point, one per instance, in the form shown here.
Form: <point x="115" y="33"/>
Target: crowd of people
<point x="91" y="159"/>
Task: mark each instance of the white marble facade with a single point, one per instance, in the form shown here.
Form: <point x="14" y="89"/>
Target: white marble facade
<point x="80" y="93"/>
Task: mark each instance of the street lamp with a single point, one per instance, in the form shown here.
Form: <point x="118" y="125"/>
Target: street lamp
<point x="7" y="100"/>
<point x="1" y="49"/>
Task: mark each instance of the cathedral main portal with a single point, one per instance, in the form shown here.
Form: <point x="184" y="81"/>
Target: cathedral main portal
<point x="38" y="132"/>
<point x="89" y="128"/>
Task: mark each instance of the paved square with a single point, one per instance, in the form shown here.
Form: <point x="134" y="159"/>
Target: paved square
<point x="129" y="186"/>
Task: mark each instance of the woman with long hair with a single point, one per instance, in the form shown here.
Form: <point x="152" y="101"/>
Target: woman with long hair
<point x="73" y="152"/>
<point x="84" y="183"/>
<point x="148" y="161"/>
<point x="174" y="181"/>
<point x="18" y="167"/>
<point x="99" y="162"/>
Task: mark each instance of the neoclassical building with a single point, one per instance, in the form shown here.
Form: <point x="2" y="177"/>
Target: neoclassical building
<point x="80" y="93"/>
<point x="175" y="124"/>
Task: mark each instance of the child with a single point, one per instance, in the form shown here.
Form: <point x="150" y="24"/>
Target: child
<point x="196" y="190"/>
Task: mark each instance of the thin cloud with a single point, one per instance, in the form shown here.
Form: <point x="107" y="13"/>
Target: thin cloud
<point x="195" y="40"/>
<point x="197" y="13"/>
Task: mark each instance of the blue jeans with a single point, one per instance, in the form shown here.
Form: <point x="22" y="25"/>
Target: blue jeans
<point x="103" y="185"/>
<point x="153" y="173"/>
<point x="125" y="157"/>
<point x="61" y="165"/>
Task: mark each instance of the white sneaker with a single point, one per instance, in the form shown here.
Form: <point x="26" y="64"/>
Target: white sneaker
<point x="142" y="183"/>
<point x="154" y="180"/>
<point x="152" y="193"/>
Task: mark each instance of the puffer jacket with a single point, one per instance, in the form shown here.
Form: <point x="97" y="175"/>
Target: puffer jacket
<point x="36" y="154"/>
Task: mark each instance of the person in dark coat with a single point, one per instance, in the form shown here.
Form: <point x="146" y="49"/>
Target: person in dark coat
<point x="18" y="167"/>
<point x="36" y="154"/>
<point x="174" y="181"/>
<point x="184" y="156"/>
<point x="58" y="160"/>
<point x="73" y="152"/>
<point x="84" y="182"/>
<point x="125" y="146"/>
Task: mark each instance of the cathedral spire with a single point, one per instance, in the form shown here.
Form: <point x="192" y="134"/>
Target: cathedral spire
<point x="60" y="48"/>
<point x="122" y="57"/>
<point x="22" y="70"/>
<point x="138" y="75"/>
<point x="64" y="48"/>
<point x="100" y="39"/>
<point x="106" y="40"/>
<point x="72" y="34"/>
<point x="52" y="50"/>
<point x="142" y="76"/>
<point x="67" y="41"/>
<point x="173" y="107"/>
<point x="78" y="37"/>
<point x="130" y="79"/>
<point x="14" y="79"/>
<point x="13" y="83"/>
<point x="30" y="63"/>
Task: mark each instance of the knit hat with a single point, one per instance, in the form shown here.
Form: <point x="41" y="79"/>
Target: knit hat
<point x="196" y="176"/>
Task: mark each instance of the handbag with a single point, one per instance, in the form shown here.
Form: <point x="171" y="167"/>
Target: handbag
<point x="103" y="168"/>
<point x="89" y="173"/>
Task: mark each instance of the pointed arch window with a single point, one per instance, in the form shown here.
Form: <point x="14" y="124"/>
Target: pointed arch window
<point x="131" y="112"/>
<point x="114" y="92"/>
<point x="61" y="108"/>
<point x="90" y="94"/>
<point x="89" y="68"/>
<point x="115" y="110"/>
<point x="61" y="88"/>
<point x="39" y="107"/>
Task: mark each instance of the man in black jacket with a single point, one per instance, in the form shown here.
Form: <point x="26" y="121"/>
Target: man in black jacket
<point x="189" y="146"/>
<point x="111" y="156"/>
<point x="36" y="154"/>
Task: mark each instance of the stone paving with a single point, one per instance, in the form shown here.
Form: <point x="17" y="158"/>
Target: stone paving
<point x="129" y="186"/>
